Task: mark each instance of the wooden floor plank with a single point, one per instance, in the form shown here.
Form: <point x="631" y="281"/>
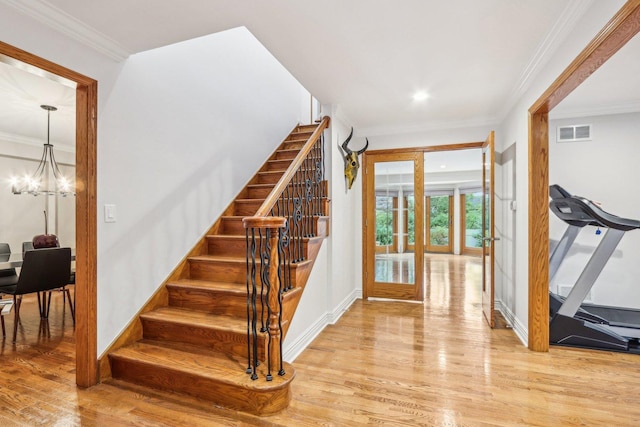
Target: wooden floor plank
<point x="384" y="363"/>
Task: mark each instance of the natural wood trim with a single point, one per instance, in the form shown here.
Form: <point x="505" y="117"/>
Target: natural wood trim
<point x="370" y="287"/>
<point x="405" y="218"/>
<point x="86" y="235"/>
<point x="86" y="217"/>
<point x="264" y="222"/>
<point x="538" y="232"/>
<point x="488" y="251"/>
<point x="615" y="34"/>
<point x="273" y="197"/>
<point x="46" y="65"/>
<point x="428" y="148"/>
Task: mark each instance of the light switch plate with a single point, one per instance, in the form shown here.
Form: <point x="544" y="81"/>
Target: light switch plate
<point x="109" y="213"/>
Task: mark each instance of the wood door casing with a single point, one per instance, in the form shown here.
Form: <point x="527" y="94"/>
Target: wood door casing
<point x="86" y="210"/>
<point x="615" y="34"/>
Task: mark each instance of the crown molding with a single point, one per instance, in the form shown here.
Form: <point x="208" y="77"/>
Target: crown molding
<point x="61" y="21"/>
<point x="563" y="26"/>
<point x="426" y="127"/>
<point x="606" y="110"/>
<point x="25" y="140"/>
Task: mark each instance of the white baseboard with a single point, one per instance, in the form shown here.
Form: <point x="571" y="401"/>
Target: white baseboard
<point x="293" y="350"/>
<point x="518" y="328"/>
<point x="344" y="305"/>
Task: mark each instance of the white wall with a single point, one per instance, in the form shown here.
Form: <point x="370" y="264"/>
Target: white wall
<point x="186" y="126"/>
<point x="336" y="280"/>
<point x="604" y="170"/>
<point x="514" y="129"/>
<point x="181" y="129"/>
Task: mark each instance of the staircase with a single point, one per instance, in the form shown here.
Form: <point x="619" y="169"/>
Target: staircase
<point x="194" y="337"/>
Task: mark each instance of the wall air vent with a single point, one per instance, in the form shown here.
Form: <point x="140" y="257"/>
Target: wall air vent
<point x="574" y="133"/>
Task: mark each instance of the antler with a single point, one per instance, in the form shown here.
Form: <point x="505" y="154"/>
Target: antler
<point x="344" y="144"/>
<point x="365" y="147"/>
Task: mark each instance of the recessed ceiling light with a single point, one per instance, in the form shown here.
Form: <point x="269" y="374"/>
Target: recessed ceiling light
<point x="420" y="96"/>
<point x="443" y="166"/>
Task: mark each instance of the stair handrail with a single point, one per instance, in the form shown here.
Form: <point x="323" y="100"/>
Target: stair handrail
<point x="274" y="242"/>
<point x="265" y="209"/>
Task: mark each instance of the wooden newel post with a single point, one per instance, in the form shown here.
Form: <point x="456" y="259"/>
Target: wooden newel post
<point x="274" y="297"/>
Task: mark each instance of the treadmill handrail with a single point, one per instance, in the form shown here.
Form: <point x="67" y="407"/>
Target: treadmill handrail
<point x="580" y="211"/>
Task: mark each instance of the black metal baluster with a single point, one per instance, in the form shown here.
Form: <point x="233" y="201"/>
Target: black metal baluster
<point x="323" y="195"/>
<point x="253" y="339"/>
<point x="309" y="196"/>
<point x="248" y="254"/>
<point x="287" y="260"/>
<point x="264" y="278"/>
<point x="297" y="217"/>
<point x="280" y="292"/>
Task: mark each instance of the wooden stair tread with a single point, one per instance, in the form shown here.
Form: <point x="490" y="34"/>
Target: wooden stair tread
<point x="202" y="362"/>
<point x="197" y="318"/>
<point x="249" y="200"/>
<point x="260" y="185"/>
<point x="221" y="258"/>
<point x="233" y="259"/>
<point x="227" y="236"/>
<point x="209" y="285"/>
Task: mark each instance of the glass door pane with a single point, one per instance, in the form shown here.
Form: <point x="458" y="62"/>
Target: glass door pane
<point x="439" y="215"/>
<point x="394" y="187"/>
<point x="472" y="222"/>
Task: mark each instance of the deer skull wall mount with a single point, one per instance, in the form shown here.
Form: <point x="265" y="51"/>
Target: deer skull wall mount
<point x="351" y="162"/>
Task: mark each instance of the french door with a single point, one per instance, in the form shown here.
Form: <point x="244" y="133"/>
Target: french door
<point x="488" y="233"/>
<point x="393" y="183"/>
<point x="403" y="222"/>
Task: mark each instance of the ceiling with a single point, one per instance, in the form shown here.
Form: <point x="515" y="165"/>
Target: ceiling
<point x="614" y="88"/>
<point x="367" y="57"/>
<point x="21" y="117"/>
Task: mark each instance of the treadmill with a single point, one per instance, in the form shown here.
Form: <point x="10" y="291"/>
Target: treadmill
<point x="572" y="322"/>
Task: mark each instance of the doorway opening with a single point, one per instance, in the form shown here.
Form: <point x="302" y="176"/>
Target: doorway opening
<point x="85" y="204"/>
<point x="420" y="206"/>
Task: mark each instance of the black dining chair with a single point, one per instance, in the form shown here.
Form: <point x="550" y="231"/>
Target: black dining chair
<point x="28" y="246"/>
<point x="43" y="270"/>
<point x="8" y="276"/>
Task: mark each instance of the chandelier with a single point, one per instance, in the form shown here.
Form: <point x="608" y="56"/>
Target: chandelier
<point x="38" y="182"/>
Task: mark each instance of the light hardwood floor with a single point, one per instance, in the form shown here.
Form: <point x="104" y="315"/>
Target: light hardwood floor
<point x="382" y="363"/>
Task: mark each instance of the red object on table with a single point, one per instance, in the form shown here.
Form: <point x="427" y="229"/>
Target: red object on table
<point x="45" y="240"/>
